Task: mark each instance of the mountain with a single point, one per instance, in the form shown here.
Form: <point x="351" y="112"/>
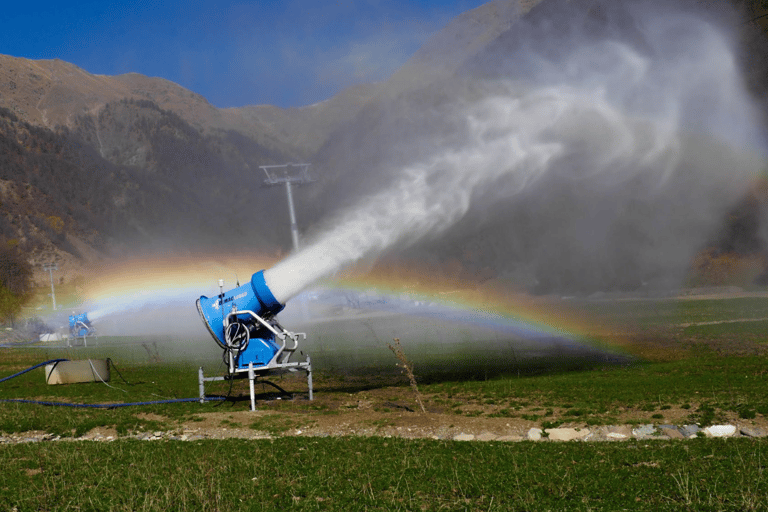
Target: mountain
<point x="155" y="164"/>
<point x="94" y="165"/>
<point x="53" y="93"/>
<point x="462" y="38"/>
<point x="137" y="161"/>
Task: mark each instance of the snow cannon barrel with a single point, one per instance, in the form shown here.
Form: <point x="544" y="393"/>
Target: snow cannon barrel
<point x="226" y="315"/>
<point x="80" y="325"/>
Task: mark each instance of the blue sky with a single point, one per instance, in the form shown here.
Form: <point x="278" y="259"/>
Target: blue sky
<point x="285" y="53"/>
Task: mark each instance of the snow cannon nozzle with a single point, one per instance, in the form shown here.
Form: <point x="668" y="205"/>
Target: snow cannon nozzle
<point x="253" y="297"/>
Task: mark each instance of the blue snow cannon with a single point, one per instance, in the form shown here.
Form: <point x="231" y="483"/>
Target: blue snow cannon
<point x="242" y="321"/>
<point x="79" y="325"/>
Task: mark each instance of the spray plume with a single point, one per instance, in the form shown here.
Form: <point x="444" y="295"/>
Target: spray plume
<point x="655" y="113"/>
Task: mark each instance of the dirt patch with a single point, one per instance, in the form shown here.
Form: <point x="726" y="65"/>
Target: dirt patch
<point x="151" y="417"/>
<point x="101" y="433"/>
<point x="392" y="411"/>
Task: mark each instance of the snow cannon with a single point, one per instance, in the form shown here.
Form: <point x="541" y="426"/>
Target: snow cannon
<point x="243" y="322"/>
<point x="80" y="326"/>
<point x="236" y="316"/>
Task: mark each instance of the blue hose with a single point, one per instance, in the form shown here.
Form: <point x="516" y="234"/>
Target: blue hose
<point x="109" y="406"/>
<point x="22" y="372"/>
<point x="95" y="406"/>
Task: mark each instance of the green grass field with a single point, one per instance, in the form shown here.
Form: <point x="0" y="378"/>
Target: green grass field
<point x="384" y="474"/>
<point x="703" y="366"/>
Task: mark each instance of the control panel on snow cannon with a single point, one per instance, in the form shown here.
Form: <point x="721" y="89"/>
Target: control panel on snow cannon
<point x="243" y="323"/>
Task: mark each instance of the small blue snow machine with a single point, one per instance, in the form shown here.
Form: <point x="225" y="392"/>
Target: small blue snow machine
<point x="80" y="326"/>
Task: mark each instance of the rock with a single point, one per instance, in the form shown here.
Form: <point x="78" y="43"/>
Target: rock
<point x="566" y="434"/>
<point x="619" y="433"/>
<point x="509" y="438"/>
<point x="752" y="432"/>
<point x="644" y="431"/>
<point x="689" y="430"/>
<point x="464" y="437"/>
<point x="595" y="434"/>
<point x="534" y="434"/>
<point x="671" y="432"/>
<point x="487" y="436"/>
<point x="720" y="430"/>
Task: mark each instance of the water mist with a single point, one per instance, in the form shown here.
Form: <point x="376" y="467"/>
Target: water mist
<point x="652" y="111"/>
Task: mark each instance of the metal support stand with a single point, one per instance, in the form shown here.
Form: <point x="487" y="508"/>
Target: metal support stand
<point x="309" y="378"/>
<point x="253" y="373"/>
<point x="85" y="341"/>
<point x="251" y="378"/>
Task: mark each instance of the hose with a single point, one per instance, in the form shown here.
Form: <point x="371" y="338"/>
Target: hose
<point x="109" y="406"/>
<point x="32" y="368"/>
<point x="95" y="406"/>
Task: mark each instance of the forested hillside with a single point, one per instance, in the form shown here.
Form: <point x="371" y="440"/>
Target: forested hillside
<point x="137" y="176"/>
<point x="53" y="185"/>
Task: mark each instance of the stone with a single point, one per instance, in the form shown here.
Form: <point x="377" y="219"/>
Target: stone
<point x="487" y="436"/>
<point x="671" y="432"/>
<point x="566" y="434"/>
<point x="752" y="432"/>
<point x="534" y="434"/>
<point x="464" y="437"/>
<point x="644" y="431"/>
<point x="720" y="430"/>
<point x="689" y="430"/>
<point x="619" y="433"/>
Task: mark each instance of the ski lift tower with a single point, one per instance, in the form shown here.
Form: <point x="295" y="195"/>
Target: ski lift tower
<point x="288" y="174"/>
<point x="50" y="267"/>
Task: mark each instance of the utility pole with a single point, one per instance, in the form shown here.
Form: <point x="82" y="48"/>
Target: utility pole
<point x="288" y="174"/>
<point x="50" y="267"/>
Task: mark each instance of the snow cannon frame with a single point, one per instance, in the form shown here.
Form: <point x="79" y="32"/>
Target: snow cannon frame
<point x="243" y="322"/>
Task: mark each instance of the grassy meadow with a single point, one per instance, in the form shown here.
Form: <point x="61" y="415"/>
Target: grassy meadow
<point x="689" y="361"/>
<point x="293" y="473"/>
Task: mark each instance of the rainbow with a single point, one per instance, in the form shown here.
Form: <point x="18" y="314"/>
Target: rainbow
<point x="489" y="306"/>
<point x="123" y="287"/>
